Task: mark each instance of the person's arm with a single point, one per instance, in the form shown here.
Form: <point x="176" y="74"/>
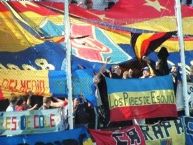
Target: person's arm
<point x="29" y="98"/>
<point x="101" y="71"/>
<point x="32" y="108"/>
<point x="57" y="104"/>
<point x="57" y="99"/>
<point x="150" y="65"/>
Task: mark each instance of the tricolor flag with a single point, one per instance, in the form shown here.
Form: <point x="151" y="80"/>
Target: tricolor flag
<point x="144" y="43"/>
<point x="141" y="98"/>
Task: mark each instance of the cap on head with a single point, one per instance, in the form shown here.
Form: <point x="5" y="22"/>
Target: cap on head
<point x="146" y="68"/>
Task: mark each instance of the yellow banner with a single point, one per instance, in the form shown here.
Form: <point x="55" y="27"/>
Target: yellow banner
<point x="19" y="82"/>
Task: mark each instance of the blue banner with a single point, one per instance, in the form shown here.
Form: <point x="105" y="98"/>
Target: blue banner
<point x="148" y="84"/>
<point x="71" y="137"/>
<point x="82" y="81"/>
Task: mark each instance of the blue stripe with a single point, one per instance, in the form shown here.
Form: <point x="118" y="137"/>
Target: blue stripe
<point x="134" y="85"/>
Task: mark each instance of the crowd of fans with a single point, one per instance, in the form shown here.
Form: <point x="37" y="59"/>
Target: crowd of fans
<point x="149" y="69"/>
<point x="83" y="110"/>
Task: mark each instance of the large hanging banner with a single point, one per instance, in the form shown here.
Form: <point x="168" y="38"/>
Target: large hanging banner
<point x="72" y="137"/>
<point x="29" y="122"/>
<point x="141" y="98"/>
<point x="164" y="133"/>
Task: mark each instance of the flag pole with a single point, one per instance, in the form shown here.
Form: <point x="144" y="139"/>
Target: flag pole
<point x="182" y="56"/>
<point x="68" y="63"/>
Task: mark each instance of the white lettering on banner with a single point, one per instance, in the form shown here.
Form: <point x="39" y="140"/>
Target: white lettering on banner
<point x="28" y="122"/>
<point x="40" y="62"/>
<point x="130" y="136"/>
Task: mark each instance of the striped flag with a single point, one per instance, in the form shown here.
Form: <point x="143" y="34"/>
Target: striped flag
<point x="144" y="43"/>
<point x="145" y="98"/>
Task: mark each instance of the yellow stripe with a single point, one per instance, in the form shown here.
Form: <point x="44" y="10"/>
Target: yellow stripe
<point x="173" y="46"/>
<point x="139" y="42"/>
<point x="164" y="24"/>
<point x="35" y="19"/>
<point x="118" y="38"/>
<point x="19" y="39"/>
<point x="122" y="99"/>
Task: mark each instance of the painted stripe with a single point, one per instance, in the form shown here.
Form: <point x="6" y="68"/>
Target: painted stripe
<point x="139" y="112"/>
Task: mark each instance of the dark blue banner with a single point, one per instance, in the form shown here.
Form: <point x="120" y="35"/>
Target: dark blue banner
<point x="71" y="137"/>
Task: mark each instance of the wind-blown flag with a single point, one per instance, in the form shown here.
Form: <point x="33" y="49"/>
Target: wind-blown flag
<point x="145" y="98"/>
<point x="144" y="43"/>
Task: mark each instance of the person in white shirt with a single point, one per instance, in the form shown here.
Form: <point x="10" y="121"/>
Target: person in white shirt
<point x="12" y="103"/>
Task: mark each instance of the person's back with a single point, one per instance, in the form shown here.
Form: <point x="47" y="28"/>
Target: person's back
<point x="81" y="116"/>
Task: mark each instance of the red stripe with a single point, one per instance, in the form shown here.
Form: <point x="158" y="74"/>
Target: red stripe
<point x="140" y="112"/>
<point x="146" y="43"/>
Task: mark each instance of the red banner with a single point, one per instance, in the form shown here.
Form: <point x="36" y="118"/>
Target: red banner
<point x="128" y="136"/>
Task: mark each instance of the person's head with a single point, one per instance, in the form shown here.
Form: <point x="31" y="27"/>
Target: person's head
<point x="116" y="69"/>
<point x="163" y="53"/>
<point x="12" y="100"/>
<point x="146" y="72"/>
<point x="76" y="101"/>
<point x="47" y="101"/>
<point x="21" y="101"/>
<point x="128" y="74"/>
<point x="173" y="69"/>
